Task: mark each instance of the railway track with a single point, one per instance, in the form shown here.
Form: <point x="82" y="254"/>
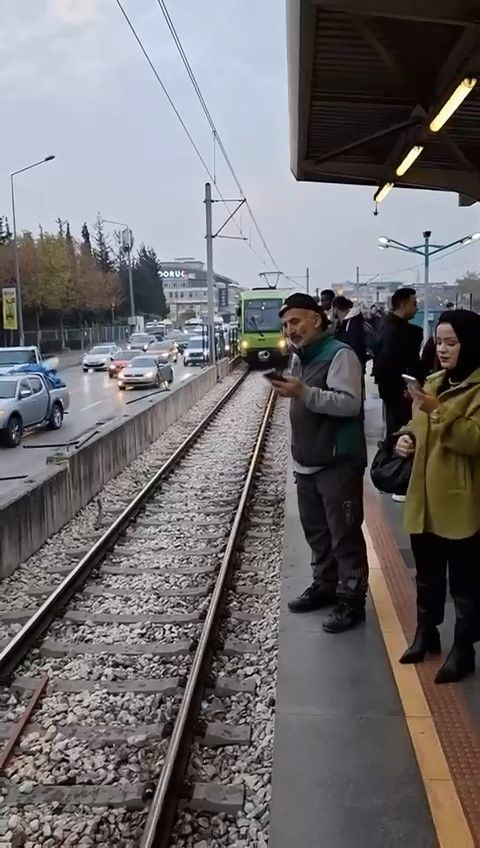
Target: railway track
<point x="127" y="641"/>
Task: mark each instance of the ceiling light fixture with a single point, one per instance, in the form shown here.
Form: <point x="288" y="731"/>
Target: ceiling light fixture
<point x="410" y="158"/>
<point x="454" y="101"/>
<point x="382" y="192"/>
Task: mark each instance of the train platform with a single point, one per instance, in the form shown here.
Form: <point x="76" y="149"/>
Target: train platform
<point x="369" y="753"/>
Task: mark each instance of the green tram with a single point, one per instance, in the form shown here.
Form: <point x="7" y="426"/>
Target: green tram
<point x="260" y="328"/>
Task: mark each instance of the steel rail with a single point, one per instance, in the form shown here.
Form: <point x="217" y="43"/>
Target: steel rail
<point x="161" y="816"/>
<point x="33" y="629"/>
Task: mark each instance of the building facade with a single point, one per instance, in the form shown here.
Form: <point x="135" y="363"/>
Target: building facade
<point x="185" y="286"/>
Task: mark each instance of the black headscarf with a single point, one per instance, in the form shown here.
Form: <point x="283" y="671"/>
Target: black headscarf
<point x="466" y="325"/>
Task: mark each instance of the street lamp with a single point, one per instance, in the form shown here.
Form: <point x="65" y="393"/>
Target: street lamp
<point x="17" y="257"/>
<point x="127" y="244"/>
<point x="426" y="250"/>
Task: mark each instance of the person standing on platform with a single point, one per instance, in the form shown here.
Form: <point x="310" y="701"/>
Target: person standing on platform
<point x="329" y="454"/>
<point x="442" y="511"/>
<point x="398" y="353"/>
<point x="350" y="327"/>
<point x="327" y="297"/>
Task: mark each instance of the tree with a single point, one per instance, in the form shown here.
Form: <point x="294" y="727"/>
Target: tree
<point x="148" y="284"/>
<point x="86" y="243"/>
<point x="470" y="285"/>
<point x="5" y="234"/>
<point x="102" y="250"/>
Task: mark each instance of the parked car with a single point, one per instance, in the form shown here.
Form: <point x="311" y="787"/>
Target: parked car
<point x="12" y="356"/>
<point x="27" y="403"/>
<point x="140" y="341"/>
<point x="145" y="371"/>
<point x="196" y="352"/>
<point x="120" y="360"/>
<point x="99" y="357"/>
<point x="166" y="351"/>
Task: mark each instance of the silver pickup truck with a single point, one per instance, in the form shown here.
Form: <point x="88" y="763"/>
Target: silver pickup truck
<point x="28" y="402"/>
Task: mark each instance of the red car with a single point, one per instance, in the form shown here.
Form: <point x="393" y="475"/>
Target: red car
<point x="120" y="360"/>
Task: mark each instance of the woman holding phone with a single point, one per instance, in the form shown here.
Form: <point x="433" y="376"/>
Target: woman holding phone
<point x="442" y="510"/>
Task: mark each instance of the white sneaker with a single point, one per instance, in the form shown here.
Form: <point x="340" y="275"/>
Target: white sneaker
<point x="399" y="498"/>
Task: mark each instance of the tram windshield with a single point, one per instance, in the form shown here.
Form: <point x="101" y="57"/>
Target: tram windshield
<point x="262" y="315"/>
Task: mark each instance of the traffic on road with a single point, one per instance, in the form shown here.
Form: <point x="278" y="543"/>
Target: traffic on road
<point x="94" y="399"/>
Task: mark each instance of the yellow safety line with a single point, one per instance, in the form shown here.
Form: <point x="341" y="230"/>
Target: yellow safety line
<point x="448" y="817"/>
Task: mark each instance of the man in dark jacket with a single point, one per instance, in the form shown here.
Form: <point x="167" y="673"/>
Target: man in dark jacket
<point x="329" y="459"/>
<point x="350" y="327"/>
<point x="398" y="353"/>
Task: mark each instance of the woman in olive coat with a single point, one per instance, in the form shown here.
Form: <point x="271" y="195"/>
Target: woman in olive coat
<point x="442" y="510"/>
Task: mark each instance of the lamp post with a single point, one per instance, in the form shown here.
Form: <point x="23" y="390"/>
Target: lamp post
<point x="127" y="244"/>
<point x="426" y="250"/>
<point x="17" y="256"/>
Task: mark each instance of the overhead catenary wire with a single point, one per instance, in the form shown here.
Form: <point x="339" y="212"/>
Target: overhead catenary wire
<point x="178" y="115"/>
<point x="217" y="141"/>
<point x="176" y="38"/>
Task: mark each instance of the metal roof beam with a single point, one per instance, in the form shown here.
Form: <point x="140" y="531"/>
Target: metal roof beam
<point x="458" y="12"/>
<point x="460" y="181"/>
<point x="463" y="59"/>
<point x="411" y="85"/>
<point x="358" y="143"/>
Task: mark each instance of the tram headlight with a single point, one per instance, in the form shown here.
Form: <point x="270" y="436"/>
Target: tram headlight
<point x="244" y="344"/>
<point x="282" y="344"/>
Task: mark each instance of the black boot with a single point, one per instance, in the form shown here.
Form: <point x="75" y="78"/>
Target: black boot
<point x="312" y="598"/>
<point x="344" y="616"/>
<point x="459" y="663"/>
<point x="427" y="640"/>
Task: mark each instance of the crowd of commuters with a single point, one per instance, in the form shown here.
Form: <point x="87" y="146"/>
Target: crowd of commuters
<point x="432" y="422"/>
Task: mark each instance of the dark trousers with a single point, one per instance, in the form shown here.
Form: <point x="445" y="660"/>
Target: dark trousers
<point x="398" y="412"/>
<point x="432" y="555"/>
<point x="330" y="503"/>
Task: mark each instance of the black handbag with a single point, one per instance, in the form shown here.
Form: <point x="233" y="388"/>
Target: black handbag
<point x="390" y="473"/>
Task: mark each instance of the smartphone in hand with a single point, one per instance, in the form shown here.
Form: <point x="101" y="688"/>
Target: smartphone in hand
<point x="411" y="382"/>
<point x="274" y="375"/>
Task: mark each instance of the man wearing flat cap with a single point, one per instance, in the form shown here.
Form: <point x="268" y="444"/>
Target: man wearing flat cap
<point x="329" y="456"/>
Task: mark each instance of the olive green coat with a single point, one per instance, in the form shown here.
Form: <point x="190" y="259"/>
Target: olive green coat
<point x="444" y="492"/>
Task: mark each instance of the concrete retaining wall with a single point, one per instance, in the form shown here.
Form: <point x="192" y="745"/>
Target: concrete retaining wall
<point x="29" y="520"/>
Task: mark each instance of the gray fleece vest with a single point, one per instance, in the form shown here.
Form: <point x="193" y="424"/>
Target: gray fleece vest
<point x="320" y="440"/>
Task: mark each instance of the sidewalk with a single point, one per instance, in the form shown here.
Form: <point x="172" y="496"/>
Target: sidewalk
<point x="344" y="769"/>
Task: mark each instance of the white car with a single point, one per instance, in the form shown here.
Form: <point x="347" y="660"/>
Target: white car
<point x="196" y="352"/>
<point x="145" y="371"/>
<point x="99" y="357"/>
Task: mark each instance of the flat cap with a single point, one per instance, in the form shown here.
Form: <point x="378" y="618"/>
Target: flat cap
<point x="299" y="300"/>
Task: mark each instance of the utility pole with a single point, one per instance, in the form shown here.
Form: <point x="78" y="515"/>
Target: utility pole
<point x="127" y="245"/>
<point x="307" y="277"/>
<point x="426" y="328"/>
<point x="357" y="282"/>
<point x="19" y="305"/>
<point x="210" y="280"/>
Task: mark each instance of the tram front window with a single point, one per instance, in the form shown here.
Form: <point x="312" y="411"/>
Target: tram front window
<point x="262" y="316"/>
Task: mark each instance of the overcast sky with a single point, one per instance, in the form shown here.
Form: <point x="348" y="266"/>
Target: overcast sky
<point x="74" y="83"/>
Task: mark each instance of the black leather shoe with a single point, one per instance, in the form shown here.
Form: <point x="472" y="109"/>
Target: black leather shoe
<point x="425" y="641"/>
<point x="459" y="663"/>
<point x="312" y="598"/>
<point x="343" y="617"/>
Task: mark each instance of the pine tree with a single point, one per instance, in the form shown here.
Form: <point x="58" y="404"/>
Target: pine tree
<point x="7" y="230"/>
<point x="86" y="243"/>
<point x="148" y="284"/>
<point x="102" y="250"/>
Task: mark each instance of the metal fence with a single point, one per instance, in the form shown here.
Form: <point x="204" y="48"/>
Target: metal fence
<point x="70" y="338"/>
<point x="83" y="338"/>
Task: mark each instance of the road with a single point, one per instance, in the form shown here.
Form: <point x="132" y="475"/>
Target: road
<point x="95" y="400"/>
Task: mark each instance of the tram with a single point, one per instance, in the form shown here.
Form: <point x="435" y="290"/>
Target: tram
<point x="260" y="328"/>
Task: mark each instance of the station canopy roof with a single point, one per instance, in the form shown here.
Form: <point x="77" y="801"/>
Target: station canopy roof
<point x="366" y="78"/>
